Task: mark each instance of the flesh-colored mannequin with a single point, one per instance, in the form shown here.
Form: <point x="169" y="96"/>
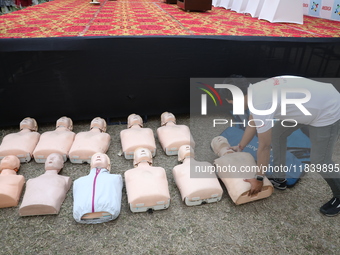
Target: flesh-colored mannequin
<point x="136" y="136"/>
<point x="58" y="141"/>
<point x="88" y="143"/>
<point x="146" y="186"/>
<point x="172" y="136"/>
<point x="11" y="184"/>
<point x="234" y="181"/>
<point x="21" y="144"/>
<point x="45" y="193"/>
<point x="97" y="196"/>
<point x="196" y="188"/>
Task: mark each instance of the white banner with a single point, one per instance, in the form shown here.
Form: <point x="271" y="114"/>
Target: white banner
<point x="305" y="7"/>
<point x="326" y="9"/>
<point x="336" y="10"/>
<point x="314" y="8"/>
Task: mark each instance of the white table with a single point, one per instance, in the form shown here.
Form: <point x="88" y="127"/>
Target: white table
<point x="239" y="5"/>
<point x="223" y="3"/>
<point x="254" y="7"/>
<point x="290" y="11"/>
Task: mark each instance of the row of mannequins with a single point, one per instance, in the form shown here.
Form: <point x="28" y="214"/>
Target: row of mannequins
<point x="80" y="147"/>
<point x="97" y="196"/>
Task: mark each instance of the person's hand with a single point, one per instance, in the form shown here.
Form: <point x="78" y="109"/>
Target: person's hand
<point x="256" y="186"/>
<point x="236" y="148"/>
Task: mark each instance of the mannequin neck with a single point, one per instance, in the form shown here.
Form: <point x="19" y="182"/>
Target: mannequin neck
<point x="25" y="130"/>
<point x="135" y="126"/>
<point x="99" y="168"/>
<point x="62" y="128"/>
<point x="143" y="163"/>
<point x="170" y="123"/>
<point x="52" y="172"/>
<point x="187" y="159"/>
<point x="224" y="151"/>
<point x="95" y="130"/>
<point x="8" y="172"/>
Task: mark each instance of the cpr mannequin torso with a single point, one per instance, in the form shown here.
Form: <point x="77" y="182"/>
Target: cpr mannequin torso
<point x="97" y="196"/>
<point x="146" y="186"/>
<point x="136" y="136"/>
<point x="172" y="136"/>
<point x="233" y="166"/>
<point x="58" y="141"/>
<point x="11" y="184"/>
<point x="88" y="143"/>
<point x="21" y="144"/>
<point x="196" y="187"/>
<point x="45" y="193"/>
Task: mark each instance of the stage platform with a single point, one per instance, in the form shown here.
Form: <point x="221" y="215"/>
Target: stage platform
<point x="72" y="58"/>
<point x="60" y="18"/>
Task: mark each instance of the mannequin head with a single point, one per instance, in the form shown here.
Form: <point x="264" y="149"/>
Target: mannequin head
<point x="134" y="119"/>
<point x="10" y="162"/>
<point x="54" y="161"/>
<point x="221" y="146"/>
<point x="29" y="123"/>
<point x="184" y="152"/>
<point x="167" y="117"/>
<point x="100" y="160"/>
<point x="65" y="122"/>
<point x="98" y="123"/>
<point x="142" y="155"/>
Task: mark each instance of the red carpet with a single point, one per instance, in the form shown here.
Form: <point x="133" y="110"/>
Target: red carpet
<point x="147" y="17"/>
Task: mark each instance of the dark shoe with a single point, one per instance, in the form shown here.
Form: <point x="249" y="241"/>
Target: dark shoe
<point x="331" y="208"/>
<point x="280" y="184"/>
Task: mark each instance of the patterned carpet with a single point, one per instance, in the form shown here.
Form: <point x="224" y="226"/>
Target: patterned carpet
<point x="61" y="18"/>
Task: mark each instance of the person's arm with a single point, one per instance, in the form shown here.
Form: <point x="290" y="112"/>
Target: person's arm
<point x="263" y="152"/>
<point x="263" y="155"/>
<point x="248" y="135"/>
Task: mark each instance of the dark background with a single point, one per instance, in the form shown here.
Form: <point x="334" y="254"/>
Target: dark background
<point x="112" y="77"/>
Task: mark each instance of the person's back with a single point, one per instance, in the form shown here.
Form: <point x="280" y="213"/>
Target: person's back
<point x="305" y="101"/>
<point x="21" y="144"/>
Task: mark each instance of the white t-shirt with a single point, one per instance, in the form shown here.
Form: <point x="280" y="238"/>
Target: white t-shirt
<point x="323" y="105"/>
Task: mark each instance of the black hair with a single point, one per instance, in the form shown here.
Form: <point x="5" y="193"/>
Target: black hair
<point x="237" y="80"/>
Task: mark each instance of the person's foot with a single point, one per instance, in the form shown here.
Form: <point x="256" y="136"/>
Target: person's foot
<point x="331" y="208"/>
<point x="280" y="184"/>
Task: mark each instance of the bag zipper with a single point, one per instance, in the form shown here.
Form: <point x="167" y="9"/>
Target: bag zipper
<point x="94" y="188"/>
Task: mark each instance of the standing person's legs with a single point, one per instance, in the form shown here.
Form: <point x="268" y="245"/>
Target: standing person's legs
<point x="279" y="145"/>
<point x="323" y="141"/>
